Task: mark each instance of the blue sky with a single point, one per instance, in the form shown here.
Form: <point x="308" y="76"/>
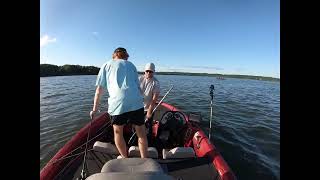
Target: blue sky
<point x="213" y="36"/>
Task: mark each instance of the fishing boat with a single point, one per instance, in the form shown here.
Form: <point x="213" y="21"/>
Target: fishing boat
<point x="220" y="78"/>
<point x="178" y="149"/>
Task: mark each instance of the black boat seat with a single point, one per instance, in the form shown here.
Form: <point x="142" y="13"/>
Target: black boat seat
<point x="105" y="148"/>
<point x="130" y="176"/>
<point x="132" y="165"/>
<point x="178" y="153"/>
<point x="134" y="151"/>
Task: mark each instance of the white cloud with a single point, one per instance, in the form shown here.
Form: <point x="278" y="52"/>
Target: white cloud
<point x="44" y="40"/>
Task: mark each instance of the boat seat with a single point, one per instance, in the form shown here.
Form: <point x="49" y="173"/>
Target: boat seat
<point x="130" y="176"/>
<point x="134" y="151"/>
<point x="105" y="148"/>
<point x="131" y="165"/>
<point x="178" y="153"/>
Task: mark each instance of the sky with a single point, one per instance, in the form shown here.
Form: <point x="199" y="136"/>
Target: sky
<point x="211" y="36"/>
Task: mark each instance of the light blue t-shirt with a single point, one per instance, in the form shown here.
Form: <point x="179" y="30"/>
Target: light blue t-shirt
<point x="120" y="77"/>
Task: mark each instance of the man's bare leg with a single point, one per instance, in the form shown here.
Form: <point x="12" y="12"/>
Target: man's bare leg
<point x="119" y="140"/>
<point x="142" y="140"/>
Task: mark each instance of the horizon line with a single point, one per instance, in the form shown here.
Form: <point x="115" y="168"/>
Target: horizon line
<point x="170" y="71"/>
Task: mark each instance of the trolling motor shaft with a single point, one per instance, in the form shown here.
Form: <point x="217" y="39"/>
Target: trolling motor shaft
<point x="211" y="106"/>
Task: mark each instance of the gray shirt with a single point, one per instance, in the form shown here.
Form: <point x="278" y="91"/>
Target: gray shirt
<point x="148" y="87"/>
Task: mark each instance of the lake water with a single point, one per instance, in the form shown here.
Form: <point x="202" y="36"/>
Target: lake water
<point x="246" y="118"/>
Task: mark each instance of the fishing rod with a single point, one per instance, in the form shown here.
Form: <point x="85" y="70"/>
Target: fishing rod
<point x="66" y="156"/>
<point x="211" y="107"/>
<point x="83" y="173"/>
<point x="133" y="135"/>
<point x="162" y="100"/>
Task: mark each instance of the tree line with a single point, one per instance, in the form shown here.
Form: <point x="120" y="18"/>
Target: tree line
<point x="222" y="76"/>
<point x="67" y="70"/>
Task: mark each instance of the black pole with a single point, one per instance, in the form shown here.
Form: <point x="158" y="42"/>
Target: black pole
<point x="211" y="91"/>
<point x="211" y="106"/>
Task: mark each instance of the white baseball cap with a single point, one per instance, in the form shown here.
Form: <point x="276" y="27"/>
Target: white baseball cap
<point x="150" y="67"/>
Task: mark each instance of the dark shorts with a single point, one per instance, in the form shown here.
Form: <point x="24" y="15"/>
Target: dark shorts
<point x="133" y="117"/>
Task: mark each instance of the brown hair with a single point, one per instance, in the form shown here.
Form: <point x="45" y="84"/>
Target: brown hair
<point x="120" y="55"/>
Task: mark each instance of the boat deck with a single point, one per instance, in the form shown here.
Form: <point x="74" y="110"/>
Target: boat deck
<point x="180" y="169"/>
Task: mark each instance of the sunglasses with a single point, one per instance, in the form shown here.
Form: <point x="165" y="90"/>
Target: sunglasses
<point x="147" y="71"/>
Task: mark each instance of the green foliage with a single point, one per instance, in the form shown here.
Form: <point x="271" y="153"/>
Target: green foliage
<point x="67" y="70"/>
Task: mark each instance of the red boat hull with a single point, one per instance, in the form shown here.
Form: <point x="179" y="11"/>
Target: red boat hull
<point x="52" y="169"/>
<point x="203" y="147"/>
<point x="200" y="142"/>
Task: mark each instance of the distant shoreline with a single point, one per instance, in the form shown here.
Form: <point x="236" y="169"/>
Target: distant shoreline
<point x="47" y="70"/>
<point x="219" y="76"/>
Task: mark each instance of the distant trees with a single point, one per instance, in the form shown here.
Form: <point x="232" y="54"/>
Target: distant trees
<point x="221" y="75"/>
<point x="66" y="70"/>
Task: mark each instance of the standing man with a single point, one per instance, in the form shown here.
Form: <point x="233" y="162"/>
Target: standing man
<point x="150" y="88"/>
<point x="120" y="77"/>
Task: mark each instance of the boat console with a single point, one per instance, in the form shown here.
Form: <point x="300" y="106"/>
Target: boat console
<point x="171" y="125"/>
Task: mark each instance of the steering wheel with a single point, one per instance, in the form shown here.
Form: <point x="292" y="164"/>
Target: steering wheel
<point x="170" y="125"/>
